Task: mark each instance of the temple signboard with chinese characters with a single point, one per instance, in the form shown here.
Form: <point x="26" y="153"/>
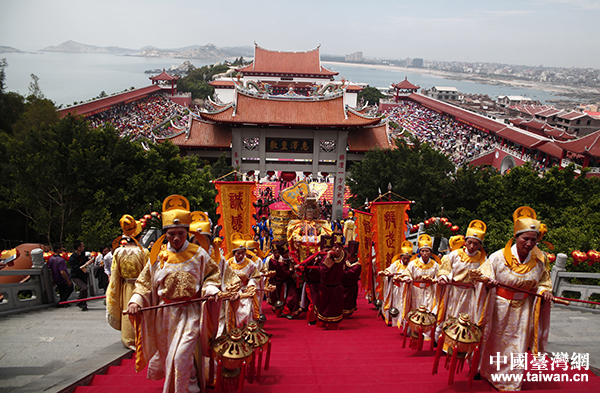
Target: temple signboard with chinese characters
<point x="289" y="145"/>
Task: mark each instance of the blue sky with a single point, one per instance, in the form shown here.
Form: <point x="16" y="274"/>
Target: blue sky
<point x="531" y="32"/>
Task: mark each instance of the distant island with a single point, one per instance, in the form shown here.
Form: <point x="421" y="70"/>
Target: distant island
<point x="208" y="51"/>
<point x="9" y="49"/>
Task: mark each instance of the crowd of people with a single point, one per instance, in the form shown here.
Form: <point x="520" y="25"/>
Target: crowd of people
<point x="142" y="117"/>
<point x="459" y="141"/>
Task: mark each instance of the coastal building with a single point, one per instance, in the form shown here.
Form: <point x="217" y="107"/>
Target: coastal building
<point x="506" y="101"/>
<point x="443" y="93"/>
<point x="356" y="57"/>
<point x="403" y="88"/>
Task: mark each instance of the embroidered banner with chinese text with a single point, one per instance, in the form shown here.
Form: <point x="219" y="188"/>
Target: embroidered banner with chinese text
<point x="235" y="209"/>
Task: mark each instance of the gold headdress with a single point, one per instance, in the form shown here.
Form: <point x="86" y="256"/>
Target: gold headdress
<point x="176" y="212"/>
<point x="425" y="241"/>
<point x="525" y="220"/>
<point x="476" y="230"/>
<point x="406" y="248"/>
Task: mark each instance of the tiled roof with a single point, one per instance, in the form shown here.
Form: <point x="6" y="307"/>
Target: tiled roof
<point x="517" y="121"/>
<point x="365" y="139"/>
<point x="537" y="125"/>
<point x="405" y="84"/>
<point x="549" y="112"/>
<point x="204" y="135"/>
<point x="522" y="137"/>
<point x="279" y="110"/>
<point x="223" y="83"/>
<point x="102" y="104"/>
<point x="531" y="109"/>
<point x="558" y="134"/>
<point x="163" y="76"/>
<point x="296" y="63"/>
<point x="572" y="115"/>
<point x="589" y="144"/>
<point x="549" y="147"/>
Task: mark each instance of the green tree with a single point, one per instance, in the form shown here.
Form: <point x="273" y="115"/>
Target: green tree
<point x="416" y="171"/>
<point x="197" y="81"/>
<point x="371" y="95"/>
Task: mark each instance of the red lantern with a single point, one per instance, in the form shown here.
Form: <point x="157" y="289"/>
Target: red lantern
<point x="288" y="176"/>
<point x="444" y="220"/>
<point x="449" y="224"/>
<point x="154" y="214"/>
<point x="147" y="217"/>
<point x="454" y="228"/>
<point x="579" y="257"/>
<point x="551" y="258"/>
<point x="594" y="257"/>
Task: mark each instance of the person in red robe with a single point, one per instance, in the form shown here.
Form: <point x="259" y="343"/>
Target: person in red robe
<point x="312" y="278"/>
<point x="330" y="303"/>
<point x="350" y="277"/>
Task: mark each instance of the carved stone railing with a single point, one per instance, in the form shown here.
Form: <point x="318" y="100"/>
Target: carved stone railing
<point x="560" y="283"/>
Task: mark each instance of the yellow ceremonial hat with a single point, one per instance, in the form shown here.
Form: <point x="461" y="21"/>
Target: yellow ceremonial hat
<point x="130" y="226"/>
<point x="176" y="212"/>
<point x="238" y="241"/>
<point x="200" y="223"/>
<point x="406" y="248"/>
<point x="476" y="230"/>
<point x="252" y="245"/>
<point x="525" y="220"/>
<point x="425" y="241"/>
<point x="456" y="242"/>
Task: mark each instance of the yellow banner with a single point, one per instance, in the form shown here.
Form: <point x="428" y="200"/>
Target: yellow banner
<point x="389" y="225"/>
<point x="365" y="239"/>
<point x="235" y="209"/>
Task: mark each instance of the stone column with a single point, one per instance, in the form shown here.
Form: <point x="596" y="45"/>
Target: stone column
<point x="559" y="266"/>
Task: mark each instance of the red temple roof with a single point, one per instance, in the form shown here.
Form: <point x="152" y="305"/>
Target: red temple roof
<point x="282" y="111"/>
<point x="203" y="135"/>
<point x="163" y="76"/>
<point x="589" y="144"/>
<point x="365" y="139"/>
<point x="286" y="63"/>
<point x="405" y="84"/>
<point x="549" y="147"/>
<point x="522" y="137"/>
<point x="102" y="104"/>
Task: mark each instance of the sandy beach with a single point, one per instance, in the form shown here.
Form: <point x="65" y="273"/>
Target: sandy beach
<point x="570" y="91"/>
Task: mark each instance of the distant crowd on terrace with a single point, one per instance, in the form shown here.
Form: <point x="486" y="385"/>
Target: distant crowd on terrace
<point x="459" y="141"/>
<point x="144" y="117"/>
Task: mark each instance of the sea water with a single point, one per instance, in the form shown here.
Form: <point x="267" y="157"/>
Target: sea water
<point x="66" y="78"/>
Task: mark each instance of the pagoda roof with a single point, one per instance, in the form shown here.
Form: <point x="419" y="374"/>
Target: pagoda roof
<point x="267" y="62"/>
<point x="531" y="109"/>
<point x="163" y="76"/>
<point x="405" y="84"/>
<point x="536" y="125"/>
<point x="365" y="139"/>
<point x="292" y="112"/>
<point x="549" y="112"/>
<point x="102" y="104"/>
<point x="202" y="135"/>
<point x="589" y="144"/>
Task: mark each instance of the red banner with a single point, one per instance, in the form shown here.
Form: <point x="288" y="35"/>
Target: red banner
<point x="235" y="201"/>
<point x="364" y="235"/>
<point x="389" y="225"/>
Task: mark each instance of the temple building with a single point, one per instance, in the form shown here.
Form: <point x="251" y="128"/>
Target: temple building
<point x="286" y="114"/>
<point x="284" y="72"/>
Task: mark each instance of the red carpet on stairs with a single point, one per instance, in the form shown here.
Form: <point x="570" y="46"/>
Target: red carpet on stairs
<point x="363" y="356"/>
